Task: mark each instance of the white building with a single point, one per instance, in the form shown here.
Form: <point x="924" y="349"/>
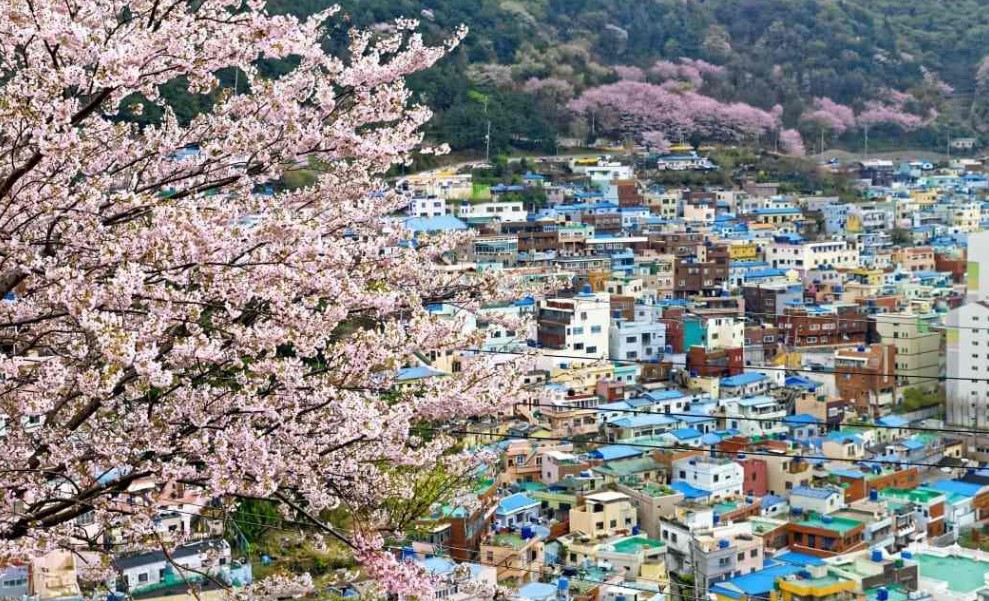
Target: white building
<point x="720" y="477"/>
<point x="603" y="172"/>
<point x="819" y="500"/>
<point x="754" y="416"/>
<point x="978" y="255"/>
<point x="427" y="206"/>
<point x="502" y="211"/>
<point x="576" y="325"/>
<point x="967" y="384"/>
<point x="725" y="332"/>
<point x="639" y="340"/>
<point x="784" y="253"/>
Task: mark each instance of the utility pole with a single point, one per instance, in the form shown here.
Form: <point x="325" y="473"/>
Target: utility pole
<point x="487" y="136"/>
<point x="866" y="140"/>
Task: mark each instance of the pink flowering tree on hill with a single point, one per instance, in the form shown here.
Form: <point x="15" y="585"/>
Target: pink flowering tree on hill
<point x="829" y="117"/>
<point x="791" y="143"/>
<point x="633" y="108"/>
<point x="167" y="326"/>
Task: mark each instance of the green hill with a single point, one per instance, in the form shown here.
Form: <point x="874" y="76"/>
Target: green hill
<point x="773" y="52"/>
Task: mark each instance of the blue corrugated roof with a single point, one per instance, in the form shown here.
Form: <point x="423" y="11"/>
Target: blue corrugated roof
<point x="440" y="223"/>
<point x="537" y="591"/>
<point x="516" y="502"/>
<point x="801" y="419"/>
<point x="743" y="379"/>
<point x="417" y="373"/>
<point x="770" y="500"/>
<point x="956" y="487"/>
<point x="636" y="421"/>
<point x="689" y="492"/>
<point x="686" y="433"/>
<point x="710" y="438"/>
<point x="611" y="452"/>
<point x="756" y="584"/>
<point x="813" y="493"/>
<point x="892" y="421"/>
<point x="800" y="559"/>
<point x="848" y="474"/>
<point x="912" y="444"/>
<point x="664" y="395"/>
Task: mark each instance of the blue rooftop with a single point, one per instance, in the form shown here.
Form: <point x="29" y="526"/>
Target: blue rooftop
<point x="892" y="421"/>
<point x="418" y="372"/>
<point x="800" y="559"/>
<point x="743" y="379"/>
<point x="800" y="419"/>
<point x="965" y="489"/>
<point x="686" y="433"/>
<point x="813" y="493"/>
<point x="765" y="273"/>
<point x="848" y="474"/>
<point x="611" y="452"/>
<point x="516" y="502"/>
<point x="912" y="444"/>
<point x="770" y="500"/>
<point x="664" y="395"/>
<point x="755" y="585"/>
<point x="637" y="421"/>
<point x="537" y="591"/>
<point x="689" y="492"/>
<point x="777" y="211"/>
<point x="800" y="382"/>
<point x="440" y="223"/>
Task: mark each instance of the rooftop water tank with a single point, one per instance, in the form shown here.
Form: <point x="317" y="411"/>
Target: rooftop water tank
<point x="877" y="555"/>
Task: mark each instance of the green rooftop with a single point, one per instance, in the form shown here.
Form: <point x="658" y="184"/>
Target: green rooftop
<point x="628" y="467"/>
<point x="916" y="495"/>
<point x="656" y="490"/>
<point x="508" y="539"/>
<point x="895" y="593"/>
<point x="635" y="544"/>
<point x="837" y="524"/>
<point x="962" y="574"/>
<point x="726" y="507"/>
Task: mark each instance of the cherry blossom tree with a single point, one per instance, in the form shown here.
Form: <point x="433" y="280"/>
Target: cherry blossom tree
<point x="636" y="107"/>
<point x="656" y="141"/>
<point x="791" y="143"/>
<point x="830" y="116"/>
<point x="876" y="113"/>
<point x="168" y="323"/>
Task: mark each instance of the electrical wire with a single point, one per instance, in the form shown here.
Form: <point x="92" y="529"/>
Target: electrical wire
<point x="605" y="358"/>
<point x="781" y="420"/>
<point x="676" y="447"/>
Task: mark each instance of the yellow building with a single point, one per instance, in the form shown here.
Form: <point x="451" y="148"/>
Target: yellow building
<point x="743" y="251"/>
<point x="604" y="514"/>
<point x="824" y="588"/>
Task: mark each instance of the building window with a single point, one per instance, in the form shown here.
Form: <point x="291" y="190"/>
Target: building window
<point x="595" y="329"/>
<point x="592" y="349"/>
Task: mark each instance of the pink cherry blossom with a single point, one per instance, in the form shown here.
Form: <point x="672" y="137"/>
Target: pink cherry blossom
<point x="637" y="107"/>
<point x="791" y="143"/>
<point x="830" y="115"/>
<point x="630" y="73"/>
<point x="876" y="113"/>
<point x="171" y="324"/>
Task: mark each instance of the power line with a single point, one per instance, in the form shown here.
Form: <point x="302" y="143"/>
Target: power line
<point x="675" y="447"/>
<point x="602" y="358"/>
<point x="598" y="409"/>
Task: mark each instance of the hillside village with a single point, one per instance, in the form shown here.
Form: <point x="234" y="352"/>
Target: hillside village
<point x="743" y="394"/>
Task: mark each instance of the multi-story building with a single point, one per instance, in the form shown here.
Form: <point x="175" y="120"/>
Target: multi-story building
<point x="866" y="376"/>
<point x="792" y="252"/>
<point x="576" y="325"/>
<point x="818" y="325"/>
<point x="500" y="211"/>
<point x="967" y="382"/>
<point x="604" y="514"/>
<point x="643" y="340"/>
<point x="914" y="258"/>
<point x="918" y="341"/>
<point x="719" y="477"/>
<point x="826" y="536"/>
<point x="427" y="206"/>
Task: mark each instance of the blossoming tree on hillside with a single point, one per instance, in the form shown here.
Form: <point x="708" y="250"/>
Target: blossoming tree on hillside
<point x="165" y="323"/>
